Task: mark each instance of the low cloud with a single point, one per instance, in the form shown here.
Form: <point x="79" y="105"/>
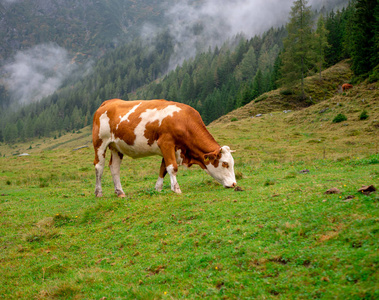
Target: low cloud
<point x="9" y="1"/>
<point x="197" y="25"/>
<point x="37" y="72"/>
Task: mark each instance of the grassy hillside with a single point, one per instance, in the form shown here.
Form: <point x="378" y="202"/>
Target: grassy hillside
<point x="281" y="237"/>
<point x="281" y="99"/>
<point x="309" y="133"/>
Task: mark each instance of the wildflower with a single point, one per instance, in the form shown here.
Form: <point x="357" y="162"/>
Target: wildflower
<point x="165" y="293"/>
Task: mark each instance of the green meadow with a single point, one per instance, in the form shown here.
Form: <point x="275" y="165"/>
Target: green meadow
<point x="278" y="237"/>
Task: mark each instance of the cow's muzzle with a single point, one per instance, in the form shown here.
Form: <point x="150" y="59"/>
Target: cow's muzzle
<point x="231" y="186"/>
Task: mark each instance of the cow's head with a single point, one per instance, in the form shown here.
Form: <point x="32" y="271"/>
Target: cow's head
<point x="220" y="165"/>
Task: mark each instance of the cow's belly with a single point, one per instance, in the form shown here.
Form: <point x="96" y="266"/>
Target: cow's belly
<point x="140" y="148"/>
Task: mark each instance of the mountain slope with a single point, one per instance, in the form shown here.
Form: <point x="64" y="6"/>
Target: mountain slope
<point x="317" y="90"/>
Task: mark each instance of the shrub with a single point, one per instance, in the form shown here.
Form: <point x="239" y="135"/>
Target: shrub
<point x="374" y="76"/>
<point x="363" y="115"/>
<point x="234" y="119"/>
<point x="269" y="181"/>
<point x="339" y="118"/>
<point x="286" y="92"/>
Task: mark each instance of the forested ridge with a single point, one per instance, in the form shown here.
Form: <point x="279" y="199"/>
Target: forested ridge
<point x="214" y="82"/>
<point x="84" y="26"/>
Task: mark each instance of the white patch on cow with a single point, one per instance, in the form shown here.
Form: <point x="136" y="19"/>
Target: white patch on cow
<point x="126" y="117"/>
<point x="105" y="134"/>
<point x="174" y="183"/>
<point x="105" y="129"/>
<point x="179" y="159"/>
<point x="159" y="184"/>
<point x="152" y="115"/>
<point x="140" y="147"/>
<point x="225" y="176"/>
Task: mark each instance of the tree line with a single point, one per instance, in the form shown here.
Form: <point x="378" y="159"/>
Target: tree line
<point x="213" y="82"/>
<point x="350" y="33"/>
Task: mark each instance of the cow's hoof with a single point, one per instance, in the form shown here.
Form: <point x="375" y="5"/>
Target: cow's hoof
<point x="99" y="195"/>
<point x="176" y="189"/>
<point x="121" y="195"/>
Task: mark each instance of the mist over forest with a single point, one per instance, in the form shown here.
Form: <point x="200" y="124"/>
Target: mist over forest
<point x="57" y="68"/>
<point x="36" y="71"/>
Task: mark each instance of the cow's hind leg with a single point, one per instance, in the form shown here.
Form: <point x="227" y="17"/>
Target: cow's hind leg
<point x="114" y="165"/>
<point x="162" y="174"/>
<point x="99" y="168"/>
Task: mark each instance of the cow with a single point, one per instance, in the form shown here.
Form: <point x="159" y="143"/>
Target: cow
<point x="172" y="130"/>
<point x="346" y="86"/>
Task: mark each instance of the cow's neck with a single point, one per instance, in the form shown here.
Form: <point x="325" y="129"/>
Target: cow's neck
<point x="203" y="143"/>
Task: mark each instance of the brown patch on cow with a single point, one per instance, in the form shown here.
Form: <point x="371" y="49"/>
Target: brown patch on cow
<point x="213" y="157"/>
<point x="151" y="133"/>
<point x="215" y="163"/>
<point x="125" y="131"/>
<point x="225" y="165"/>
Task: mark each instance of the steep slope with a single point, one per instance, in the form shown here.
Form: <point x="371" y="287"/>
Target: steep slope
<point x="306" y="133"/>
<point x="278" y="100"/>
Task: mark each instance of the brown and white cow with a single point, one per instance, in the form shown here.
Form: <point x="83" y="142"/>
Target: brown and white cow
<point x="172" y="130"/>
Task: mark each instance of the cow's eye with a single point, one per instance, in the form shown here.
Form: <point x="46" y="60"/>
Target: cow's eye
<point x="225" y="165"/>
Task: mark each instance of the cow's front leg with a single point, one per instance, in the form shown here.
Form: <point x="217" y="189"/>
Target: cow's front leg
<point x="172" y="170"/>
<point x="114" y="165"/>
<point x="162" y="174"/>
<point x="168" y="151"/>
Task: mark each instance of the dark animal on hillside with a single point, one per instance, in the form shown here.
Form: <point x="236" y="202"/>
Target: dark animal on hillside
<point x="172" y="130"/>
<point x="346" y="86"/>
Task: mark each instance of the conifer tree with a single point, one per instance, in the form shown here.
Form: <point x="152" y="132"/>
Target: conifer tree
<point x="298" y="55"/>
<point x="365" y="52"/>
<point x="321" y="42"/>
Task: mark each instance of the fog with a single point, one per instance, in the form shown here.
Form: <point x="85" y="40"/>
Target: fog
<point x="37" y="72"/>
<point x="194" y="25"/>
<point x="211" y="22"/>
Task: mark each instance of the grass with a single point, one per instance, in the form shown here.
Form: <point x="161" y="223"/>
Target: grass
<point x="280" y="237"/>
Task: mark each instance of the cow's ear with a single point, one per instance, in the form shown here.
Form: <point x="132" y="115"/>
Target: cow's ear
<point x="206" y="158"/>
<point x="218" y="153"/>
<point x="227" y="149"/>
<point x="209" y="156"/>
